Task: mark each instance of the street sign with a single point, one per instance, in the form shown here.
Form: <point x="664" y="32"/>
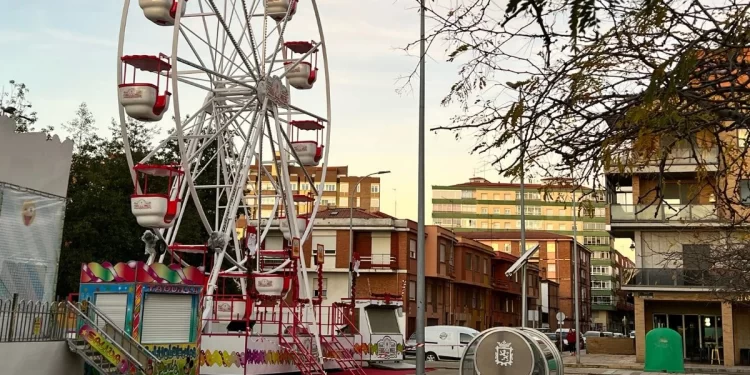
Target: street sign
<point x="560" y="316"/>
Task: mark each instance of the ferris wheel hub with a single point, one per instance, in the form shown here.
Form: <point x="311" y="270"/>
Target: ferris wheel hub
<point x="275" y="90"/>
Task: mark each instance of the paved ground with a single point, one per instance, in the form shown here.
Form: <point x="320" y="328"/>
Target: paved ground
<point x="599" y="364"/>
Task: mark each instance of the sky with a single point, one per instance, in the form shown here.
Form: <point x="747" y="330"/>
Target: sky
<point x="66" y="53"/>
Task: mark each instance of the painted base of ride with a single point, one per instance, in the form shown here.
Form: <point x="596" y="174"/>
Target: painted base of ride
<point x="250" y="355"/>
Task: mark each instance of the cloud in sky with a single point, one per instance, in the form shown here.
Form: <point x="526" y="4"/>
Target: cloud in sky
<point x="67" y="56"/>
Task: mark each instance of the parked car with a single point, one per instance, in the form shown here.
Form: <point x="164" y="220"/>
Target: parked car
<point x="554" y="337"/>
<point x="442" y="342"/>
<point x="632" y="334"/>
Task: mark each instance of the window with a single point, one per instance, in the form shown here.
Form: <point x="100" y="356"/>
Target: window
<point x="506" y="247"/>
<point x="550" y="212"/>
<point x="375" y="189"/>
<point x="467" y="194"/>
<point x="484" y="225"/>
<point x="552" y="268"/>
<point x="495" y="225"/>
<point x="442" y="253"/>
<point x="485" y="210"/>
<point x="330" y="187"/>
<point x="601" y="270"/>
<point x="506" y="225"/>
<point x="496" y="197"/>
<point x="550" y="226"/>
<point x="294" y="186"/>
<point x="530" y="224"/>
<point x="450" y="255"/>
<point x="507" y="197"/>
<point x="467" y="262"/>
<point x="507" y="211"/>
<point x="304" y="186"/>
<point x="561" y="212"/>
<point x="590" y="240"/>
<point x="496" y="211"/>
<point x="562" y="226"/>
<point x="324" y="292"/>
<point x="412" y="290"/>
<point x="744" y="191"/>
<point x="600" y="284"/>
<point x="528" y="196"/>
<point x="358" y="186"/>
<point x="325" y="238"/>
<point x="465" y="338"/>
<point x="742" y="138"/>
<point x="530" y="210"/>
<point x="268" y="201"/>
<point x="594" y="226"/>
<point x="413" y="249"/>
<point x="484" y="196"/>
<point x="486" y="267"/>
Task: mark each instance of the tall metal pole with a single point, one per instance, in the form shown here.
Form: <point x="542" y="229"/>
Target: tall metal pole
<point x="351" y="226"/>
<point x="420" y="200"/>
<point x="577" y="282"/>
<point x="524" y="292"/>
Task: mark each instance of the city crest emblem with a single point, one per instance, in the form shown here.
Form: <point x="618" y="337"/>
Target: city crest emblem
<point x="504" y="354"/>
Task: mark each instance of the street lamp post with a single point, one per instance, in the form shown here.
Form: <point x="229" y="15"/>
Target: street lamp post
<point x="351" y="224"/>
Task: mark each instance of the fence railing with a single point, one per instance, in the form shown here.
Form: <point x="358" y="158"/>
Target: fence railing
<point x="26" y="321"/>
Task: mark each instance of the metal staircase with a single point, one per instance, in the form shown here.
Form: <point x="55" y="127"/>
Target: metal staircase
<point x="120" y="354"/>
<point x="289" y="340"/>
<point x="342" y="355"/>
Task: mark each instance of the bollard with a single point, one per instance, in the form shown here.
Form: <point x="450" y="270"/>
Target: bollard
<point x="511" y="351"/>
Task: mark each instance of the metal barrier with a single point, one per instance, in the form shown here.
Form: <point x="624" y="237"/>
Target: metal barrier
<point x="511" y="351"/>
<point x="27" y="321"/>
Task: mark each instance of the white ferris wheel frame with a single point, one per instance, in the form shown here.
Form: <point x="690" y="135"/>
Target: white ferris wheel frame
<point x="253" y="139"/>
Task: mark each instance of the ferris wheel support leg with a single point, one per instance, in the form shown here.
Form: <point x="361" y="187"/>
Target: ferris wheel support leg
<point x="291" y="216"/>
<point x="233" y="200"/>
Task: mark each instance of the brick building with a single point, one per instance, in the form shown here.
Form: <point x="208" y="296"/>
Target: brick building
<point x="472" y="285"/>
<point x="338" y="189"/>
<point x="555" y="263"/>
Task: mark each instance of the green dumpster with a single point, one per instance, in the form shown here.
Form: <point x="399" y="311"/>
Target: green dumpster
<point x="664" y="351"/>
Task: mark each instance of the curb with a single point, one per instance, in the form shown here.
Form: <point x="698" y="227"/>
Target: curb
<point x="688" y="369"/>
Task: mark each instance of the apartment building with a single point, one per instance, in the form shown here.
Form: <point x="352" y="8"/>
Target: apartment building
<point x="472" y="285"/>
<point x="481" y="205"/>
<point x="611" y="308"/>
<point x="555" y="262"/>
<point x="339" y="189"/>
<point x="673" y="284"/>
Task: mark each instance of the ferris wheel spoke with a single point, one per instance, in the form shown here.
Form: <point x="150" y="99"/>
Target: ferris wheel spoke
<point x="229" y="35"/>
<point x="218" y="132"/>
<point x="183" y="27"/>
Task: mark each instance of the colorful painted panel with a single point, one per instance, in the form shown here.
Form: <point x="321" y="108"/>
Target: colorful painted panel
<point x="177" y="359"/>
<point x="173" y="274"/>
<point x="107" y="273"/>
<point x="107" y="349"/>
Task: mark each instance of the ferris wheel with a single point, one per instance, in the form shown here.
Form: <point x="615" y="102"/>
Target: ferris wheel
<point x="241" y="84"/>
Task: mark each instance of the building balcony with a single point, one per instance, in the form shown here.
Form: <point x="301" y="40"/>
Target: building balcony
<point x="501" y="285"/>
<point x="679" y="160"/>
<point x="625" y="214"/>
<point x="603" y="305"/>
<point x="673" y="278"/>
<point x="378" y="261"/>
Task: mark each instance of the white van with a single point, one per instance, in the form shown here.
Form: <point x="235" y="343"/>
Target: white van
<point x="442" y="342"/>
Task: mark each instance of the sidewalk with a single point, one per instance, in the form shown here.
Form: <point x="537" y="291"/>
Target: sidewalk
<point x="596" y="364"/>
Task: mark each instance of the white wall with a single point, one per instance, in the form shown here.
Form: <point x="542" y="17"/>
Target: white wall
<point x="29" y="160"/>
<point x="39" y="358"/>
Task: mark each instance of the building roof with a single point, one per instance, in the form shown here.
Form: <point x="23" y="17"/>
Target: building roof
<point x="533" y="235"/>
<point x="483" y="183"/>
<point x="357" y="213"/>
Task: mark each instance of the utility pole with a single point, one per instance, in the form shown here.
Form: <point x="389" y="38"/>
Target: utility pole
<point x="420" y="200"/>
<point x="577" y="283"/>
<point x="524" y="292"/>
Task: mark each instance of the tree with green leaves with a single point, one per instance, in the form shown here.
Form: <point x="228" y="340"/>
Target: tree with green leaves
<point x="15" y="103"/>
<point x="653" y="82"/>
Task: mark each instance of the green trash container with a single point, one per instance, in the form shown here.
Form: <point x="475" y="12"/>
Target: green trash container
<point x="664" y="351"/>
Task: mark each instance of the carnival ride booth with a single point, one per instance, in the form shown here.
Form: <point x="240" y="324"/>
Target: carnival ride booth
<point x="309" y="152"/>
<point x="382" y="328"/>
<point x="511" y="351"/>
<point x="154" y="305"/>
<point x="161" y="12"/>
<point x="301" y="74"/>
<point x="279" y="9"/>
<point x="156" y="210"/>
<point x="142" y="99"/>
